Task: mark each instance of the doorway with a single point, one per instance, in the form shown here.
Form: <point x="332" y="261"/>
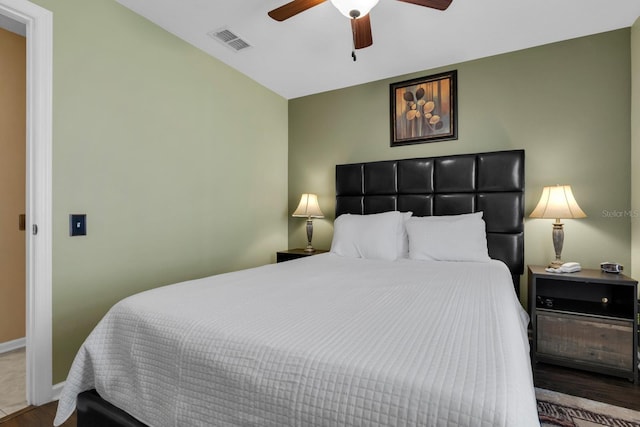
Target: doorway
<point x="38" y="190"/>
<point x="13" y="49"/>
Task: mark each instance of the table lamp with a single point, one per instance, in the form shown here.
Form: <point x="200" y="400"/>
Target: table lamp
<point x="557" y="202"/>
<point x="308" y="208"/>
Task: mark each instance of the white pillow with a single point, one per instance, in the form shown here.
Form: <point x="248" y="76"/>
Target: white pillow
<point x="448" y="238"/>
<point x="375" y="236"/>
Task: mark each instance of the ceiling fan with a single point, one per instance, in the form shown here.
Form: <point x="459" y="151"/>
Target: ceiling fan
<point x="356" y="10"/>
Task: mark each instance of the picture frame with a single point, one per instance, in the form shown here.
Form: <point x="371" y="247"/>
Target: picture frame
<point x="424" y="109"/>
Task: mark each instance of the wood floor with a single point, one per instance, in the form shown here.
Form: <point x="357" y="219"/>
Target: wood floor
<point x="36" y="416"/>
<point x="603" y="388"/>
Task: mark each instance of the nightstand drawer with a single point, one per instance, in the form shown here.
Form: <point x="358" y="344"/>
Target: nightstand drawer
<point x="586" y="339"/>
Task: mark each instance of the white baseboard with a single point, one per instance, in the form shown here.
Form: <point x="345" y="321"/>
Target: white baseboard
<point x="56" y="390"/>
<point x="8" y="346"/>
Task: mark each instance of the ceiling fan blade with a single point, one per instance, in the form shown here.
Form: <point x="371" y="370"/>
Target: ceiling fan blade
<point x="293" y="8"/>
<point x="434" y="4"/>
<point x="361" y="29"/>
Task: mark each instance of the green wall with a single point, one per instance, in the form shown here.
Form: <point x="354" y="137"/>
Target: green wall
<point x="567" y="104"/>
<point x="635" y="148"/>
<point x="165" y="149"/>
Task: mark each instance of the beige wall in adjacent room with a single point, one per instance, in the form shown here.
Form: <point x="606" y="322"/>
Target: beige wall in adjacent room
<point x="179" y="162"/>
<point x="12" y="184"/>
<point x="567" y="104"/>
<point x="635" y="149"/>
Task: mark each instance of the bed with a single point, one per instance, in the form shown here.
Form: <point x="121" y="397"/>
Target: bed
<point x="334" y="339"/>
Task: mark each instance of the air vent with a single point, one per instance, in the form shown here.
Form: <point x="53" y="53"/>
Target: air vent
<point x="229" y="39"/>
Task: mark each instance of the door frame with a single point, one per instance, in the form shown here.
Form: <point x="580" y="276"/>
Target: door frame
<point x="39" y="26"/>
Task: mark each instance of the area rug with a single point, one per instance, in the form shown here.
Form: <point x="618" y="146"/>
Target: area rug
<point x="557" y="409"/>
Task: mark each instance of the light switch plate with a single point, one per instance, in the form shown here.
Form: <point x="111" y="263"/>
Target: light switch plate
<point x="78" y="225"/>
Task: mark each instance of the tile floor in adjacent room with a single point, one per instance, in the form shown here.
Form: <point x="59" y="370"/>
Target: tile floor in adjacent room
<point x="13" y="380"/>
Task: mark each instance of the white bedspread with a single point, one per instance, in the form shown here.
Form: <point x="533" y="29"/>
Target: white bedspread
<point x="321" y="341"/>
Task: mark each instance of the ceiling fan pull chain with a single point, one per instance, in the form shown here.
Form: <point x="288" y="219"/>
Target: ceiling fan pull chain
<point x="353" y="46"/>
<point x="354" y="15"/>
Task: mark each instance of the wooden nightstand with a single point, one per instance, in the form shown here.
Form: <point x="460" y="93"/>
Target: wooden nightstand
<point x="585" y="320"/>
<point x="290" y="254"/>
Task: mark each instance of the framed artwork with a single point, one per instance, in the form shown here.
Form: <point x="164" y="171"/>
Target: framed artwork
<point x="424" y="109"/>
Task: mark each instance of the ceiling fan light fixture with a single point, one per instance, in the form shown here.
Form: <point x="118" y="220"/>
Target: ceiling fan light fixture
<point x="347" y="7"/>
<point x="357" y="11"/>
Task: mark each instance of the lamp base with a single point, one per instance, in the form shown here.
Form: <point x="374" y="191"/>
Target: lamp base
<point x="309" y="248"/>
<point x="558" y="240"/>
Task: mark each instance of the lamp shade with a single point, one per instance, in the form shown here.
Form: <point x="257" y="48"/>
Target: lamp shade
<point x="557" y="202"/>
<point x="308" y="207"/>
<point x="346" y="6"/>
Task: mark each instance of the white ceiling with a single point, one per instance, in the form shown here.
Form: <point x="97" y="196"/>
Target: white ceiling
<point x="311" y="52"/>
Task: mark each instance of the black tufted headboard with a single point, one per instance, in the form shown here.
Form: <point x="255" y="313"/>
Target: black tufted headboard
<point x="447" y="185"/>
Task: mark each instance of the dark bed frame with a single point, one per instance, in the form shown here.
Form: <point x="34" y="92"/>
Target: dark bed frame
<point x="447" y="185"/>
